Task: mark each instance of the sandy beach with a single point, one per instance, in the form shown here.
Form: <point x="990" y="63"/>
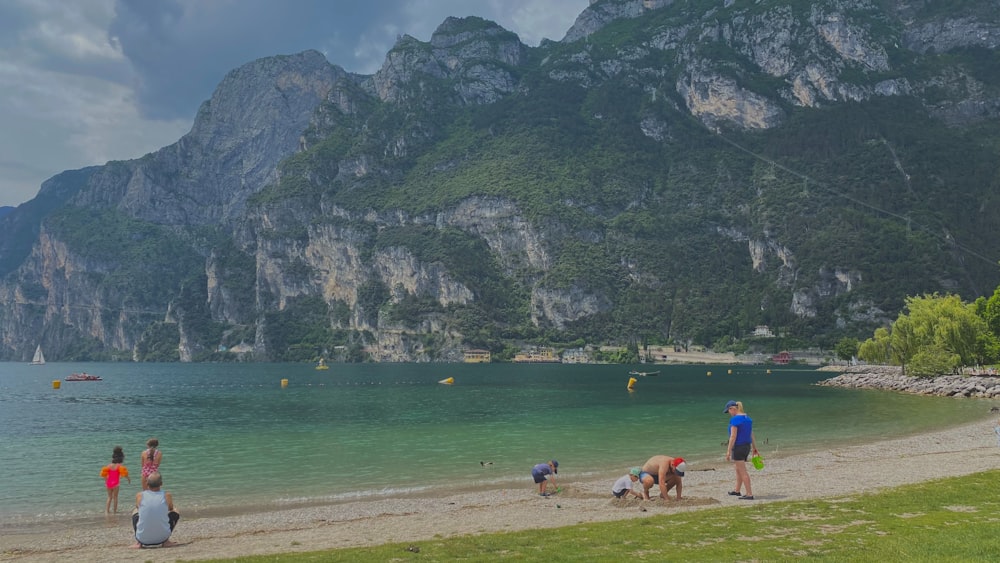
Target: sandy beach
<point x="862" y="468"/>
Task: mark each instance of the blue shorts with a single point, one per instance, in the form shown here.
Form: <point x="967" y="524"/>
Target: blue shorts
<point x="538" y="476"/>
<point x="741" y="452"/>
<point x="656" y="478"/>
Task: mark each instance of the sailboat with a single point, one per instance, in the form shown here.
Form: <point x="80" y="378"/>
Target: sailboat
<point x="39" y="359"/>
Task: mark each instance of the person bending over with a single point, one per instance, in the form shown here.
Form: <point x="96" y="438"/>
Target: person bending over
<point x="664" y="471"/>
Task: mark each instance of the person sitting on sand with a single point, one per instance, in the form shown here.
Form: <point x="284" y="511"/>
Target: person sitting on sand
<point x="623" y="486"/>
<point x="539" y="473"/>
<point x="154" y="517"/>
<point x="664" y="471"/>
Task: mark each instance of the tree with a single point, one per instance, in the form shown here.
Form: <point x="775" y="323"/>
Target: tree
<point x="904" y="341"/>
<point x="847" y="348"/>
<point x="875" y="350"/>
<point x="933" y="360"/>
<point x="989" y="311"/>
<point x="936" y="333"/>
<point x="948" y="323"/>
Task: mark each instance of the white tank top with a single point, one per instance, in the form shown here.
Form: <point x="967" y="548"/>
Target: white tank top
<point x="154" y="525"/>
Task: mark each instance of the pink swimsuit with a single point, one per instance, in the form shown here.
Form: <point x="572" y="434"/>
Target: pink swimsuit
<point x="113" y="475"/>
<point x="150" y="466"/>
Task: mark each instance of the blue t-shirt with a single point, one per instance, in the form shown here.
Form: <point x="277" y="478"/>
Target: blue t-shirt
<point x="541" y="469"/>
<point x="744" y="429"/>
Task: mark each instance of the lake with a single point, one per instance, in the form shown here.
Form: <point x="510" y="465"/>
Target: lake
<point x="234" y="439"/>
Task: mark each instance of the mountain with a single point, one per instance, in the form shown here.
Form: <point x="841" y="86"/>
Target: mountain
<point x="670" y="171"/>
<point x="5" y="210"/>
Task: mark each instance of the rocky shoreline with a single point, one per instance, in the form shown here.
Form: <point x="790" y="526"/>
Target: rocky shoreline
<point x="891" y="378"/>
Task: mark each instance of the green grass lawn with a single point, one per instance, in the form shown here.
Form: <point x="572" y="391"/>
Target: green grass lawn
<point x="951" y="519"/>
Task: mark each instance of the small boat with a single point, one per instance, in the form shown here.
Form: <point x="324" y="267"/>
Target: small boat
<point x="644" y="373"/>
<point x="322" y="364"/>
<point x="39" y="359"/>
<point x="83" y="377"/>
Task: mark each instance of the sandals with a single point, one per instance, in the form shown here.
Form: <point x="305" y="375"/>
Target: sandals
<point x="746" y="497"/>
<point x="734" y="493"/>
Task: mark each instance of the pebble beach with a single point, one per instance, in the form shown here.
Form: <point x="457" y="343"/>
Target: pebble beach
<point x="869" y="467"/>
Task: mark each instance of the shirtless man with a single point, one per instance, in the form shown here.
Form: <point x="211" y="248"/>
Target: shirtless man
<point x="665" y="471"/>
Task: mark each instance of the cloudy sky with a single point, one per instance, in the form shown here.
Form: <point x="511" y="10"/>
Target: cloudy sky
<point x="83" y="82"/>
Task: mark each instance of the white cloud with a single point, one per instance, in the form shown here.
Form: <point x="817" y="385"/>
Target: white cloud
<point x="57" y="121"/>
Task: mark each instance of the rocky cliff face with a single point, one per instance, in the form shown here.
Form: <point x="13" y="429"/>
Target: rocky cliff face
<point x="275" y="201"/>
<point x="477" y="56"/>
<point x="253" y="121"/>
<point x="818" y="54"/>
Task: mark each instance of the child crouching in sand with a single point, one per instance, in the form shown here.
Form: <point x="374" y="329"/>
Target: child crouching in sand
<point x="623" y="486"/>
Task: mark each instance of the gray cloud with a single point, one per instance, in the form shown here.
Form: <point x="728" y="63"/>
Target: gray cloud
<point x="88" y="81"/>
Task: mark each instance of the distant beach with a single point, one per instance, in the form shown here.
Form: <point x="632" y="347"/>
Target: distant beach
<point x="851" y="470"/>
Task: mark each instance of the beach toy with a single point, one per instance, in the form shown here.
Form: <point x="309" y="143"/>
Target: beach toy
<point x="631" y="383"/>
<point x="758" y="462"/>
<point x="447" y="381"/>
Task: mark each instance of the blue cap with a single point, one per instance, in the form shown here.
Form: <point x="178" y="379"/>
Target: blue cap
<point x="729" y="404"/>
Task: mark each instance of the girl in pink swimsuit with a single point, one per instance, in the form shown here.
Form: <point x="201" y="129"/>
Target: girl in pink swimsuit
<point x="112" y="474"/>
<point x="151" y="459"/>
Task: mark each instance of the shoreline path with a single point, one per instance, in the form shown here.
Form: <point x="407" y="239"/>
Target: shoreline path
<point x="963" y="450"/>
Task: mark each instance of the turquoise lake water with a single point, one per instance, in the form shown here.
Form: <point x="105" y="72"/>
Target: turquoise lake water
<point x="233" y="439"/>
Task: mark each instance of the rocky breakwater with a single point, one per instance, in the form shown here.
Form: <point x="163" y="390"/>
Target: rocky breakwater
<point x="891" y="378"/>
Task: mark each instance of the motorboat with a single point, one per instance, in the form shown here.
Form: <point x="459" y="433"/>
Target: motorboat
<point x="83" y="377"/>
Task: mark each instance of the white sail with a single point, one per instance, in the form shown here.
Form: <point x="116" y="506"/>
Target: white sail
<point x="39" y="359"/>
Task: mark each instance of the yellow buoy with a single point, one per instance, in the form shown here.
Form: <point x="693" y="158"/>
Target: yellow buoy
<point x="709" y="374"/>
<point x="56" y="384"/>
<point x="284" y="383"/>
<point x="631" y="383"/>
<point x="447" y="381"/>
<point x="730" y="372"/>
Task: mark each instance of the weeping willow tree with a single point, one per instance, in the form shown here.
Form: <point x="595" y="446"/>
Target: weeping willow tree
<point x="934" y="335"/>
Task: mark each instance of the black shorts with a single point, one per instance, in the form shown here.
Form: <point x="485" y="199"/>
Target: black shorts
<point x="741" y="452"/>
<point x="620" y="494"/>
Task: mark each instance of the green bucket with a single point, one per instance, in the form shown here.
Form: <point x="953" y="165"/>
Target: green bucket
<point x="758" y="462"/>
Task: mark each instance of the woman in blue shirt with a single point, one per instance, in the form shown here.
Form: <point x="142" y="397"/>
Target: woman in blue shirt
<point x="741" y="443"/>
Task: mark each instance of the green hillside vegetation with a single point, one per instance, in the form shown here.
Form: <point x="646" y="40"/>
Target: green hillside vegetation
<point x="830" y="183"/>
